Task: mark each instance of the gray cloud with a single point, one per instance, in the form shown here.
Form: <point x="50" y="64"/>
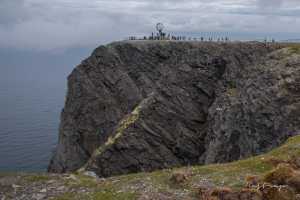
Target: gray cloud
<point x="11" y="11"/>
<point x="61" y="24"/>
<point x="269" y="3"/>
<point x="275" y="4"/>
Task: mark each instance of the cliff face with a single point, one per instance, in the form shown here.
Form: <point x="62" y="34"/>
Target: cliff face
<point x="141" y="106"/>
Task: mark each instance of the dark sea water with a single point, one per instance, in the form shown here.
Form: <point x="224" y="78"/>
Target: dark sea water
<point x="32" y="93"/>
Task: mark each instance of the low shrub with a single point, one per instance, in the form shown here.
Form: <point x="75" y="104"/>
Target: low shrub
<point x="179" y="177"/>
<point x="279" y="175"/>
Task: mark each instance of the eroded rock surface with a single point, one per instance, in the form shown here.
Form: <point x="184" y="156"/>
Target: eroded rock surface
<point x="142" y="106"/>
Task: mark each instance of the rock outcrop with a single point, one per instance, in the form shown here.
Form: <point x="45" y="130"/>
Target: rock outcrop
<point x="141" y="106"/>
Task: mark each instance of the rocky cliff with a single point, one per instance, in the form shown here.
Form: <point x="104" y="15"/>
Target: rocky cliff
<point x="141" y="106"/>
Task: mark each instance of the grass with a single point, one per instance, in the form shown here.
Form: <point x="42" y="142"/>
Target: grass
<point x="230" y="174"/>
<point x="233" y="174"/>
<point x="232" y="88"/>
<point x="82" y="181"/>
<point x="67" y="196"/>
<point x="112" y="195"/>
<point x="129" y="187"/>
<point x="7" y="174"/>
<point x="232" y="84"/>
<point x="232" y="92"/>
<point x="37" y="178"/>
<point x="101" y="195"/>
<point x="124" y="124"/>
<point x="130" y="119"/>
<point x="294" y="48"/>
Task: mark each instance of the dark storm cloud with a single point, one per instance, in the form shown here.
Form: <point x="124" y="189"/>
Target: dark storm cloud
<point x="65" y="23"/>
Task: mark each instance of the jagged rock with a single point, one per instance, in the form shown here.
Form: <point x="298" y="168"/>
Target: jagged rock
<point x="142" y="106"/>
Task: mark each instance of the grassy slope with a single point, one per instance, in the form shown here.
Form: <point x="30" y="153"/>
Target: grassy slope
<point x="129" y="187"/>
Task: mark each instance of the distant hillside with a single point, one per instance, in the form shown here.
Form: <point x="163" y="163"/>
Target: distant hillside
<point x="291" y="40"/>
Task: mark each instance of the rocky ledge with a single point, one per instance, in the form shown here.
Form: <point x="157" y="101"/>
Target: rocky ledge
<point x="141" y="106"/>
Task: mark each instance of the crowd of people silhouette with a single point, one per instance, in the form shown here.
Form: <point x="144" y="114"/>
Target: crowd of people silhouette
<point x="160" y="35"/>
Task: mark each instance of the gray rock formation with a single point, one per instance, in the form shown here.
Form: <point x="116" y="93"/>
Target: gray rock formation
<point x="141" y="106"/>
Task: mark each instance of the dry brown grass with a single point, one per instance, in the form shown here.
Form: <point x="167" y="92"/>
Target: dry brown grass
<point x="252" y="181"/>
<point x="220" y="193"/>
<point x="294" y="182"/>
<point x="273" y="193"/>
<point x="279" y="175"/>
<point x="179" y="177"/>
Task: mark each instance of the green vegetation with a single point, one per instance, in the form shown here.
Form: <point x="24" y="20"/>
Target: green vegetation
<point x="232" y="92"/>
<point x="232" y="84"/>
<point x="129" y="187"/>
<point x="67" y="196"/>
<point x="279" y="175"/>
<point x="101" y="195"/>
<point x="81" y="181"/>
<point x="7" y="174"/>
<point x="112" y="195"/>
<point x="233" y="174"/>
<point x="125" y="123"/>
<point x="232" y="88"/>
<point x="294" y="48"/>
<point x="230" y="174"/>
<point x="38" y="178"/>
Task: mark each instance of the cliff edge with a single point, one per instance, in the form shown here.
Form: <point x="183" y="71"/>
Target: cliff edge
<point x="141" y="106"/>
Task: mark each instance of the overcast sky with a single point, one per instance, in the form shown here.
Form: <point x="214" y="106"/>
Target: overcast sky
<point x="59" y="24"/>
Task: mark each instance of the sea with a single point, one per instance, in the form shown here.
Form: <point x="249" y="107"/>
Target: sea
<point x="33" y="87"/>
